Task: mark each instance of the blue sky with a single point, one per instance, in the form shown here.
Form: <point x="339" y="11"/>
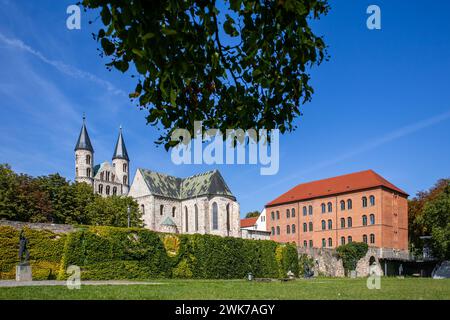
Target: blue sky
<point x="382" y="102"/>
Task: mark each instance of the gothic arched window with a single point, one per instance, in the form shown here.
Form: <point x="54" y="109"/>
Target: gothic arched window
<point x="365" y="238"/>
<point x="293" y="228"/>
<point x="288" y="213"/>
<point x="342" y="205"/>
<point x="107" y="190"/>
<point x="342" y="222"/>
<point x="161" y="210"/>
<point x="342" y="240"/>
<point x="304" y="211"/>
<point x="125" y="179"/>
<point x="372" y="238"/>
<point x="142" y="209"/>
<point x="330" y="224"/>
<point x="186" y="218"/>
<point x="88" y="159"/>
<point x="100" y="188"/>
<point x="124" y="167"/>
<point x="88" y="172"/>
<point x="305" y="227"/>
<point x="288" y="229"/>
<point x="372" y="219"/>
<point x="330" y="242"/>
<point x="323" y="207"/>
<point x="228" y="218"/>
<point x="196" y="217"/>
<point x="173" y="212"/>
<point x="349" y="239"/>
<point x="215" y="216"/>
<point x="310" y="209"/>
<point x="349" y="222"/>
<point x="310" y="226"/>
<point x="323" y="225"/>
<point x="330" y="207"/>
<point x="372" y="200"/>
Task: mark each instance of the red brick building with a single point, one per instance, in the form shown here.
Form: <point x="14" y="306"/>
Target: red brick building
<point x="361" y="206"/>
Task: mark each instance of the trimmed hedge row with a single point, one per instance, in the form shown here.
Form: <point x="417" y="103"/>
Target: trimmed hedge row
<point x="130" y="253"/>
<point x="46" y="249"/>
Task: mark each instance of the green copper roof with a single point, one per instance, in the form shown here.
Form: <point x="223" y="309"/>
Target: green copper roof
<point x="168" y="222"/>
<point x="207" y="183"/>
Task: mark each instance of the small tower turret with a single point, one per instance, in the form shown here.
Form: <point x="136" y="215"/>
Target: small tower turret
<point x="84" y="157"/>
<point x="121" y="163"/>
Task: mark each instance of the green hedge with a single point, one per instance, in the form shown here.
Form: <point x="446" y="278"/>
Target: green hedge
<point x="46" y="249"/>
<point x="130" y="253"/>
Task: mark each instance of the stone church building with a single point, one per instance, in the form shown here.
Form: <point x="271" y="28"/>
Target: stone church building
<point x="202" y="203"/>
<point x="106" y="178"/>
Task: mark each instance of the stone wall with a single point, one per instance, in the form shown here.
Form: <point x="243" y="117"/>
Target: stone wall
<point x="56" y="228"/>
<point x="327" y="263"/>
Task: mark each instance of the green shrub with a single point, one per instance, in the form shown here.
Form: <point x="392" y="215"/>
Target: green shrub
<point x="287" y="259"/>
<point x="132" y="253"/>
<point x="304" y="262"/>
<point x="45" y="249"/>
<point x="351" y="253"/>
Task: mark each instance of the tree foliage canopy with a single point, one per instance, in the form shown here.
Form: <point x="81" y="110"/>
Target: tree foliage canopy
<point x="421" y="210"/>
<point x="54" y="199"/>
<point x="252" y="214"/>
<point x="436" y="218"/>
<point x="233" y="64"/>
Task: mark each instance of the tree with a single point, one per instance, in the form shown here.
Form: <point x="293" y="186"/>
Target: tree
<point x="112" y="211"/>
<point x="233" y="64"/>
<point x="21" y="197"/>
<point x="59" y="193"/>
<point x="252" y="214"/>
<point x="416" y="222"/>
<point x="54" y="199"/>
<point x="436" y="218"/>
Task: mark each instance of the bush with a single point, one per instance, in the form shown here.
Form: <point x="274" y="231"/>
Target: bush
<point x="351" y="253"/>
<point x="305" y="262"/>
<point x="131" y="253"/>
<point x="45" y="247"/>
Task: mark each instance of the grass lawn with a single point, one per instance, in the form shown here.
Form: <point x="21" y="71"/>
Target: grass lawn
<point x="320" y="288"/>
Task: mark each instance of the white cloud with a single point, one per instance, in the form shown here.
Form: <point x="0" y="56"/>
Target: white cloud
<point x="61" y="66"/>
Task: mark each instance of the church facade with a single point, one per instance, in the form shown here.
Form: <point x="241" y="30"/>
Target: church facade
<point x="202" y="203"/>
<point x="106" y="179"/>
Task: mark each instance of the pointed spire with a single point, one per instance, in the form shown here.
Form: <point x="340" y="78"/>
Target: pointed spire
<point x="120" y="152"/>
<point x="84" y="143"/>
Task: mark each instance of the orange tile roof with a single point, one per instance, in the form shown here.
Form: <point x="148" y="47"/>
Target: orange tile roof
<point x="248" y="222"/>
<point x="336" y="185"/>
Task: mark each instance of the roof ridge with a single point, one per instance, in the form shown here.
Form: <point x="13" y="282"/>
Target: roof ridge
<point x="335" y="185"/>
<point x="335" y="177"/>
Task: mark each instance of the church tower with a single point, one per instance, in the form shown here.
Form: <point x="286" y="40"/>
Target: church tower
<point x="84" y="157"/>
<point x="121" y="163"/>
